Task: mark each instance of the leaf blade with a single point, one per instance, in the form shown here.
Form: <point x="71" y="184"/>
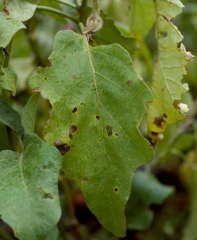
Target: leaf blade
<point x="32" y="179"/>
<point x="10" y="118"/>
<point x="86" y="98"/>
<point x="29" y="113"/>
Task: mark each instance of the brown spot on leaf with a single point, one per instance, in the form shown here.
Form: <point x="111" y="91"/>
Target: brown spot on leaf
<point x="74" y="110"/>
<point x="100" y="188"/>
<point x="85" y="179"/>
<point x="116" y="134"/>
<point x="109" y="130"/>
<point x="116" y="189"/>
<point x="129" y="83"/>
<point x="46" y="195"/>
<point x="74" y="76"/>
<point x="72" y="130"/>
<point x="98" y="117"/>
<point x="44" y="167"/>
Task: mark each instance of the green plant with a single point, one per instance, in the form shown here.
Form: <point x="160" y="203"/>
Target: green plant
<point x="97" y="100"/>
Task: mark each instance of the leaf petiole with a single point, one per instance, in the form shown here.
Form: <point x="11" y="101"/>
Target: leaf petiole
<point x="58" y="12"/>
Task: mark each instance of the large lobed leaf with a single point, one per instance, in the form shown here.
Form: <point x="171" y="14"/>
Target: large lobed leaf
<point x="29" y="200"/>
<point x="97" y="100"/>
<point x="169" y="70"/>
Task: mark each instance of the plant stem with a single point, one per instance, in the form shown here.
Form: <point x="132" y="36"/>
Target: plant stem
<point x="96" y="7"/>
<point x="66" y="3"/>
<point x="58" y="12"/>
<point x="83" y="12"/>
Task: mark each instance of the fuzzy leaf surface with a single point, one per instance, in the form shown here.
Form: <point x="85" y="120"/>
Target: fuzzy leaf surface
<point x="97" y="101"/>
<point x="169" y="69"/>
<point x="29" y="200"/>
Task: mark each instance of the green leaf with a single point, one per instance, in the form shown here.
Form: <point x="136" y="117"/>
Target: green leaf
<point x="97" y="100"/>
<point x="142" y="17"/>
<point x="146" y="190"/>
<point x="8" y="80"/>
<point x="10" y="118"/>
<point x="29" y="114"/>
<point x="169" y="70"/>
<point x="110" y="34"/>
<point x="21" y="10"/>
<point x="9" y="27"/>
<point x="13" y="13"/>
<point x="29" y="200"/>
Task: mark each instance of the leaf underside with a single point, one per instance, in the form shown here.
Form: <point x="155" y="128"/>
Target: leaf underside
<point x="97" y="101"/>
<point x="169" y="70"/>
<point x="29" y="200"/>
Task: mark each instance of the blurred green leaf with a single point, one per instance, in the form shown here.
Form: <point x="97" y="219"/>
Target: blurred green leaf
<point x="146" y="190"/>
<point x="29" y="114"/>
<point x="110" y="34"/>
<point x="142" y="17"/>
<point x="10" y="118"/>
<point x="29" y="200"/>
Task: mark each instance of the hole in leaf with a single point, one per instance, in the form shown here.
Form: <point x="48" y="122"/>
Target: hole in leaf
<point x="72" y="130"/>
<point x="74" y="110"/>
<point x="159" y="121"/>
<point x="81" y="104"/>
<point x="116" y="134"/>
<point x="165" y="115"/>
<point x="116" y="189"/>
<point x="45" y="78"/>
<point x="109" y="130"/>
<point x="163" y="34"/>
<point x="62" y="147"/>
<point x="179" y="45"/>
<point x="74" y="76"/>
<point x="85" y="179"/>
<point x="44" y="167"/>
<point x="129" y="83"/>
<point x="98" y="117"/>
<point x="75" y="50"/>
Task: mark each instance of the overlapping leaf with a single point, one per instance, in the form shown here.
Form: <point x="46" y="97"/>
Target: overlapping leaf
<point x="97" y="100"/>
<point x="169" y="70"/>
<point x="29" y="200"/>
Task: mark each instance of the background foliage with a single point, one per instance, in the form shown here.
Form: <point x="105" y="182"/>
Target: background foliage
<point x="162" y="204"/>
